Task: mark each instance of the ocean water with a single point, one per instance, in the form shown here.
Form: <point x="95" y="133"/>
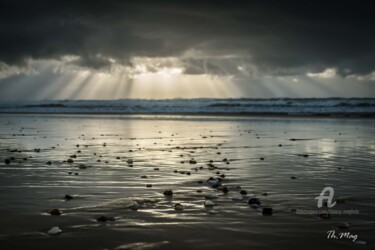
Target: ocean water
<point x="284" y="106"/>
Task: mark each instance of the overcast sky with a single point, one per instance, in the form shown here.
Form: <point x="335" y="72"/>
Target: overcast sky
<point x="167" y="49"/>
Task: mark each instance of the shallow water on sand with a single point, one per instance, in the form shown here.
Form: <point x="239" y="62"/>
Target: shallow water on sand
<point x="316" y="152"/>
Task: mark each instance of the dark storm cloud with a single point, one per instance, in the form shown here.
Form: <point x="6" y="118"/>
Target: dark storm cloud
<point x="278" y="36"/>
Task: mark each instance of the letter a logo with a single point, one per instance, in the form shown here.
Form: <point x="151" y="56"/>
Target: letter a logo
<point x="329" y="197"/>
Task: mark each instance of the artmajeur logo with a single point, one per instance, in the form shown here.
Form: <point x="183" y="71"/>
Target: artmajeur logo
<point x="329" y="197"/>
<point x="325" y="205"/>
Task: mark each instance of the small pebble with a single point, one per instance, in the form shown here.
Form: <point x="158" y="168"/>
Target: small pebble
<point x="55" y="211"/>
<point x="54" y="231"/>
<point x="148" y="185"/>
<point x="7" y="161"/>
<point x="68" y="197"/>
<point x="252" y="201"/>
<point x="209" y="203"/>
<point x="134" y="206"/>
<point x="168" y="192"/>
<point x="178" y="207"/>
<point x="267" y="211"/>
<point x="243" y="192"/>
<point x="105" y="218"/>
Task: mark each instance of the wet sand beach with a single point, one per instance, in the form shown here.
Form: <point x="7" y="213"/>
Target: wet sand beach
<point x="107" y="175"/>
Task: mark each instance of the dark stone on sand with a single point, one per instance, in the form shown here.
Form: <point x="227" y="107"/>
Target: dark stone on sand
<point x="70" y="161"/>
<point x="12" y="158"/>
<point x="49" y="162"/>
<point x="188" y="173"/>
<point x="265" y="194"/>
<point x="200" y="182"/>
<point x="262" y="159"/>
<point x="69" y="172"/>
<point x="55" y="211"/>
<point x="156" y="169"/>
<point x="175" y="171"/>
<point x="168" y="192"/>
<point x="293" y="177"/>
<point x="267" y="211"/>
<point x="148" y="185"/>
<point x="222" y="175"/>
<point x="280" y="145"/>
<point x="254" y="201"/>
<point x="75" y="173"/>
<point x="144" y="177"/>
<point x="243" y="192"/>
<point x="225" y="190"/>
<point x="192" y="161"/>
<point x="82" y="166"/>
<point x="68" y="197"/>
<point x="73" y="156"/>
<point x="7" y="161"/>
<point x="199" y="191"/>
<point x="105" y="218"/>
<point x="118" y="158"/>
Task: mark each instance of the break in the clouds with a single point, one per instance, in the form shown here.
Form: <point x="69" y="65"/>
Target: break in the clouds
<point x="241" y="40"/>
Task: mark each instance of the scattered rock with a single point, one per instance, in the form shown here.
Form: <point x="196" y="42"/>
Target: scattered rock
<point x="168" y="192"/>
<point x="243" y="192"/>
<point x="192" y="161"/>
<point x="134" y="206"/>
<point x="70" y="161"/>
<point x="156" y="169"/>
<point x="214" y="182"/>
<point x="178" y="207"/>
<point x="209" y="203"/>
<point x="144" y="176"/>
<point x="255" y="201"/>
<point x="293" y="177"/>
<point x="262" y="159"/>
<point x="225" y="190"/>
<point x="105" y="218"/>
<point x="55" y="211"/>
<point x="267" y="211"/>
<point x="7" y="161"/>
<point x="54" y="231"/>
<point x="68" y="197"/>
<point x="148" y="185"/>
<point x="49" y="162"/>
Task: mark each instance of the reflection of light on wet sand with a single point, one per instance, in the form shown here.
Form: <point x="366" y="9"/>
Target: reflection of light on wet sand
<point x="110" y="185"/>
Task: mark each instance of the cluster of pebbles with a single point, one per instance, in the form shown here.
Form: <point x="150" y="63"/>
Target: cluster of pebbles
<point x="216" y="183"/>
